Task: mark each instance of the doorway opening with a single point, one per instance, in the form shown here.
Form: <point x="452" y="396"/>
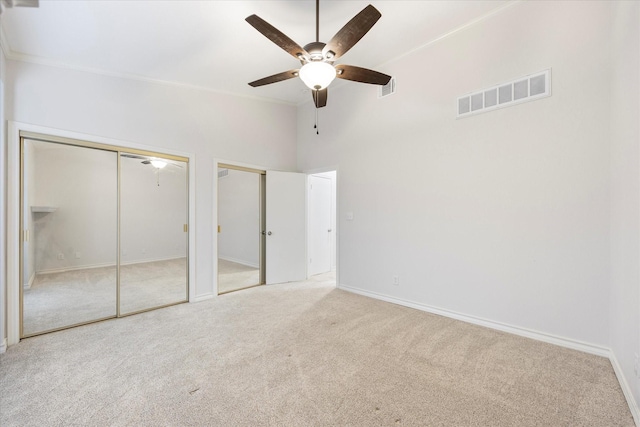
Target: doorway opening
<point x="322" y="235"/>
<point x="241" y="205"/>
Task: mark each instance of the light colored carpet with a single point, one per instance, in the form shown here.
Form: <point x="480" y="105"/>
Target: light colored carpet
<point x="71" y="297"/>
<point x="233" y="276"/>
<point x="301" y="354"/>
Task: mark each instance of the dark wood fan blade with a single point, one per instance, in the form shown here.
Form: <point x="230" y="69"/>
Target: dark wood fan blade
<point x="351" y="33"/>
<point x="277" y="36"/>
<point x="285" y="75"/>
<point x="131" y="156"/>
<point x="319" y="97"/>
<point x="362" y="75"/>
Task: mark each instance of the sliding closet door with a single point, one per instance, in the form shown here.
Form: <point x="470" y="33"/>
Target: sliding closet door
<point x="153" y="230"/>
<point x="69" y="246"/>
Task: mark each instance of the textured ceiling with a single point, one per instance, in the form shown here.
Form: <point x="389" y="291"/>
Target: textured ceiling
<point x="208" y="44"/>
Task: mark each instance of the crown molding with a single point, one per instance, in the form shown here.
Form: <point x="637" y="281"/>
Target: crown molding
<point x="498" y="10"/>
<point x="38" y="60"/>
<point x="15" y="56"/>
<point x="446" y="35"/>
<point x="4" y="44"/>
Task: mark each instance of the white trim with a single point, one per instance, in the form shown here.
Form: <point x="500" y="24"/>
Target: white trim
<point x="4" y="45"/>
<point x="214" y="198"/>
<point x="239" y="261"/>
<point x="30" y="282"/>
<point x="524" y="332"/>
<point x="203" y="297"/>
<point x="48" y="62"/>
<point x="3" y="346"/>
<point x="516" y="330"/>
<point x="626" y="390"/>
<point x="13" y="210"/>
<point x="453" y="32"/>
<point x="101" y="265"/>
<point x="13" y="234"/>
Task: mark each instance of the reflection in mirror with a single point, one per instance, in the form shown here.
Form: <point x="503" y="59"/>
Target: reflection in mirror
<point x="69" y="214"/>
<point x="153" y="242"/>
<point x="239" y="230"/>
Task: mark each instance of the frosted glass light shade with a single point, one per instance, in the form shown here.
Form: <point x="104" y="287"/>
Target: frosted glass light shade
<point x="158" y="164"/>
<point x="317" y="75"/>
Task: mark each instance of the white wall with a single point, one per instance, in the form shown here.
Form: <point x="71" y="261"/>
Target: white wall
<point x="154" y="209"/>
<point x="625" y="189"/>
<point x="502" y="216"/>
<point x="160" y="116"/>
<point x="81" y="183"/>
<point x="239" y="217"/>
<point x="3" y="205"/>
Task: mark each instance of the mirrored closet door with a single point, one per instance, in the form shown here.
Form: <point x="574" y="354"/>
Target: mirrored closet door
<point x="104" y="232"/>
<point x="153" y="230"/>
<point x="70" y="218"/>
<point x="240" y="228"/>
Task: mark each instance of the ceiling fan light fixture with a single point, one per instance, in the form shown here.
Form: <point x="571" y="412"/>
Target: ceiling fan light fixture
<point x="158" y="164"/>
<point x="317" y="75"/>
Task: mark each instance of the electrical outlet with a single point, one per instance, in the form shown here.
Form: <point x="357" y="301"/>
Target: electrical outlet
<point x="396" y="280"/>
<point x="60" y="256"/>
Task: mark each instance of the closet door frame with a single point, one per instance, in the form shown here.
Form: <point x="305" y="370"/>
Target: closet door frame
<point x="16" y="132"/>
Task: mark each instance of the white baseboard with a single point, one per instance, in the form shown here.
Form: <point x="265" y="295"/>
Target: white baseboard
<point x="516" y="330"/>
<point x="239" y="261"/>
<point x="203" y="297"/>
<point x="99" y="265"/>
<point x="31" y="279"/>
<point x="626" y="389"/>
<point x="3" y="346"/>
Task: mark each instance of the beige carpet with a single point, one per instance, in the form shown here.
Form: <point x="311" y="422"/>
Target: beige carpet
<point x="233" y="276"/>
<point x="301" y="354"/>
<point x="60" y="299"/>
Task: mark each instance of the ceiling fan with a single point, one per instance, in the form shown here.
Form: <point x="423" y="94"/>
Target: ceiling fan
<point x="317" y="58"/>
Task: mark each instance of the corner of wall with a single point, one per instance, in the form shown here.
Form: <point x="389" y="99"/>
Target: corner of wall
<point x="3" y="203"/>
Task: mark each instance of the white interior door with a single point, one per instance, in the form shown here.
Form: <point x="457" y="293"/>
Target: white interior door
<point x="319" y="225"/>
<point x="286" y="241"/>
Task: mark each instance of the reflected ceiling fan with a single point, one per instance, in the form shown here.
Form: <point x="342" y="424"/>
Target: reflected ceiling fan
<point x="18" y="3"/>
<point x="157" y="163"/>
<point x="317" y="58"/>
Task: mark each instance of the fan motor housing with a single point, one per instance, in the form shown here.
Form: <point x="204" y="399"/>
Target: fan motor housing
<point x="315" y="51"/>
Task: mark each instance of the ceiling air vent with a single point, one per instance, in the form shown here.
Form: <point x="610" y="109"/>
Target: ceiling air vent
<point x="223" y="173"/>
<point x="388" y="89"/>
<point x="527" y="88"/>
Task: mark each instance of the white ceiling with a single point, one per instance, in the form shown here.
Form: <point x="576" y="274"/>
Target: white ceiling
<point x="208" y="44"/>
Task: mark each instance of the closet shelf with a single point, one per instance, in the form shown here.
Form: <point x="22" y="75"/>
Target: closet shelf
<point x="43" y="208"/>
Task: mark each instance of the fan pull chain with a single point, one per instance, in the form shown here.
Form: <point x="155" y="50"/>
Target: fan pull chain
<point x="158" y="177"/>
<point x="315" y="126"/>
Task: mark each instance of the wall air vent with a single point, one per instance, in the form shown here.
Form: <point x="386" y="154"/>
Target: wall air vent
<point x="527" y="88"/>
<point x="223" y="173"/>
<point x="388" y="89"/>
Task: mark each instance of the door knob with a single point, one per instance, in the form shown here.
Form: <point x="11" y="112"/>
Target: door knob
<point x="269" y="233"/>
<point x="263" y="232"/>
